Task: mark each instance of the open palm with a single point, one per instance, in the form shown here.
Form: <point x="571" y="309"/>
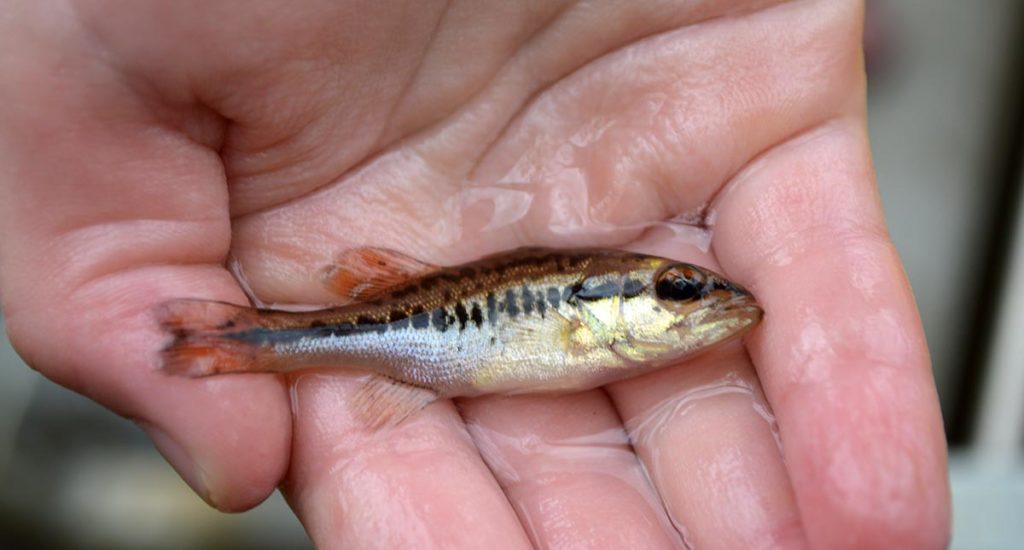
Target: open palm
<point x="142" y="143"/>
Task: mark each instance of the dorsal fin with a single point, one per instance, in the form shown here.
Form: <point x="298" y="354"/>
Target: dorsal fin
<point x="367" y="273"/>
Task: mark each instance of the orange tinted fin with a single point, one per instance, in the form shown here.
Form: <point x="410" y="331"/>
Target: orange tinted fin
<point x="367" y="273"/>
<point x="383" y="401"/>
<point x="201" y="346"/>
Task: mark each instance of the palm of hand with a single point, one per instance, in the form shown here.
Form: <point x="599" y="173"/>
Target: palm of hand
<point x="286" y="137"/>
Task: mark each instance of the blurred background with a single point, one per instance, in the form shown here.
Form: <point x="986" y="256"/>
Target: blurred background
<point x="946" y="116"/>
<point x="947" y="129"/>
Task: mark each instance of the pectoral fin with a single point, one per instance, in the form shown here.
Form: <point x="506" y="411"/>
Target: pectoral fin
<point x="367" y="273"/>
<point x="383" y="401"/>
<point x="571" y="333"/>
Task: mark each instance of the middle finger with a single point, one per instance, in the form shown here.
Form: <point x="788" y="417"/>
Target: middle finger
<point x="568" y="469"/>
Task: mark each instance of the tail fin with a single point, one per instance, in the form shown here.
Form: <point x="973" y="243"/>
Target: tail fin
<point x="208" y="338"/>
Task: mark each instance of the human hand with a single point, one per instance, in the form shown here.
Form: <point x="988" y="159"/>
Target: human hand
<point x="143" y="142"/>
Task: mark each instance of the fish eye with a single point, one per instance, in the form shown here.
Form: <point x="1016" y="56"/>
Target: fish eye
<point x="680" y="283"/>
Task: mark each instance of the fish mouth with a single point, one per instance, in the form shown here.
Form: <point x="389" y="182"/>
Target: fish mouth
<point x="721" y="322"/>
<point x="742" y="309"/>
<point x="748" y="311"/>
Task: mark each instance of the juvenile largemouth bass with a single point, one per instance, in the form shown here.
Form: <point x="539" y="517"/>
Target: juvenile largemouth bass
<point x="531" y="320"/>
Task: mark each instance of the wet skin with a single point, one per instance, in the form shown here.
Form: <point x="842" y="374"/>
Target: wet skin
<point x="144" y="142"/>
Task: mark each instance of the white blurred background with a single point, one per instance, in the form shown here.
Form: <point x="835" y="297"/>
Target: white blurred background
<point x="947" y="130"/>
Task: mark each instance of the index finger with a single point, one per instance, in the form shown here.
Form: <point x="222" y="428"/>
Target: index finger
<point x="841" y="353"/>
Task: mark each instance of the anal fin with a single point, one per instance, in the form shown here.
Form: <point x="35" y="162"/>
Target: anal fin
<point x="367" y="273"/>
<point x="382" y="401"/>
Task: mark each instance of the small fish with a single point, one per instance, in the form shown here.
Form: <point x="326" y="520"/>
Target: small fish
<point x="530" y="320"/>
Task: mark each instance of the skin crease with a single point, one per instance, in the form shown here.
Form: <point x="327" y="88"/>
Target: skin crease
<point x="141" y="142"/>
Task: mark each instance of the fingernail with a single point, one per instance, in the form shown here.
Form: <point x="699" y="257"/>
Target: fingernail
<point x="179" y="459"/>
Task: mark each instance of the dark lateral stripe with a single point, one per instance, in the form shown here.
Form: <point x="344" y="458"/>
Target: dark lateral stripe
<point x="511" y="307"/>
<point x="492" y="309"/>
<point x="460" y="312"/>
<point x="420" y="320"/>
<point x="476" y="315"/>
<point x="527" y="300"/>
<point x="607" y="289"/>
<point x="270" y="337"/>
<point x="554" y="296"/>
<point x="542" y="306"/>
<point x="440" y="319"/>
<point x="370" y="324"/>
<point x="569" y="291"/>
<point x="631" y="288"/>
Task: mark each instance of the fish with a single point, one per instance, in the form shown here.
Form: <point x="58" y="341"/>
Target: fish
<point x="531" y="320"/>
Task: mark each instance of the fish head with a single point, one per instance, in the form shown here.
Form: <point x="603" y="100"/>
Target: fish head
<point x="685" y="309"/>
